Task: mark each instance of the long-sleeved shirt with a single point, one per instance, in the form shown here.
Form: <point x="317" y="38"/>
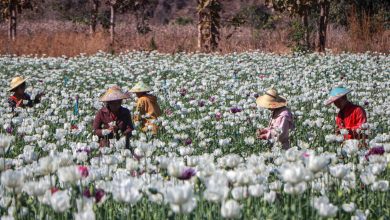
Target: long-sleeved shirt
<point x="13" y="101"/>
<point x="147" y="110"/>
<point x="280" y="125"/>
<point x="351" y="117"/>
<point x="122" y="120"/>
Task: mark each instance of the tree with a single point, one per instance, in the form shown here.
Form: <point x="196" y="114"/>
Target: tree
<point x="296" y="7"/>
<point x="209" y="23"/>
<point x="143" y="10"/>
<point x="94" y="14"/>
<point x="303" y="8"/>
<point x="323" y="24"/>
<point x="10" y="10"/>
<point x="113" y="4"/>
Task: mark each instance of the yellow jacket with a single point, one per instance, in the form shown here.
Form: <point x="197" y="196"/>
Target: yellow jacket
<point x="147" y="110"/>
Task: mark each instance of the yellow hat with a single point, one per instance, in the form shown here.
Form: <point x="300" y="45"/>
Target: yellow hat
<point x="140" y="87"/>
<point x="271" y="100"/>
<point x="17" y="81"/>
<point x="114" y="93"/>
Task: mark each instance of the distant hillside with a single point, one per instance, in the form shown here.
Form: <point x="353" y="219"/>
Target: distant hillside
<point x="167" y="11"/>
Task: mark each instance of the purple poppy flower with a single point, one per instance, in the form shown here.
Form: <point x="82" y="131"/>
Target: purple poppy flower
<point x="168" y="112"/>
<point x="188" y="141"/>
<point x="212" y="99"/>
<point x="86" y="150"/>
<point x="375" y="151"/>
<point x="183" y="92"/>
<point x="218" y="115"/>
<point x="9" y="130"/>
<point x="87" y="193"/>
<point x="366" y="103"/>
<point x="99" y="194"/>
<point x="187" y="174"/>
<point x="234" y="110"/>
<point x="256" y="95"/>
<point x="201" y="103"/>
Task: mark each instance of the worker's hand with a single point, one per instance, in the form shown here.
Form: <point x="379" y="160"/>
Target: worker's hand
<point x="19" y="103"/>
<point x="113" y="129"/>
<point x="263" y="137"/>
<point x="260" y="133"/>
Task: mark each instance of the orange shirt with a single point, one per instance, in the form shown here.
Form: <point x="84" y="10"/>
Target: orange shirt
<point x="147" y="110"/>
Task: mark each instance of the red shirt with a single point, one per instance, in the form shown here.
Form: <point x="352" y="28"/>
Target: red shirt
<point x="351" y="117"/>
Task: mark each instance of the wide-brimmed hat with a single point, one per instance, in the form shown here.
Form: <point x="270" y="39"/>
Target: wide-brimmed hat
<point x="114" y="93"/>
<point x="16" y="81"/>
<point x="141" y="87"/>
<point x="271" y="99"/>
<point x="336" y="93"/>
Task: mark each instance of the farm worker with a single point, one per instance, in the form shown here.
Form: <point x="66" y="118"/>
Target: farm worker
<point x="147" y="108"/>
<point x="113" y="120"/>
<point x="20" y="98"/>
<point x="282" y="121"/>
<point x="350" y="117"/>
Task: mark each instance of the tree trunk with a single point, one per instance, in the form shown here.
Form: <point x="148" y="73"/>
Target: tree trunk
<point x="112" y="25"/>
<point x="199" y="36"/>
<point x="201" y="31"/>
<point x="305" y="23"/>
<point x="12" y="20"/>
<point x="324" y="11"/>
<point x="94" y="13"/>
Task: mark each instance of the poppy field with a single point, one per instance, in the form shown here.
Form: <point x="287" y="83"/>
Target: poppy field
<point x="205" y="162"/>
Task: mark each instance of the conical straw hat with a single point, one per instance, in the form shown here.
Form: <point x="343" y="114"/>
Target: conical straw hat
<point x="15" y="82"/>
<point x="114" y="93"/>
<point x="271" y="100"/>
<point x="141" y="87"/>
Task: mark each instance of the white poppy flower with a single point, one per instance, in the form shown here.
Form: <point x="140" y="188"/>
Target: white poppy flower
<point x="231" y="209"/>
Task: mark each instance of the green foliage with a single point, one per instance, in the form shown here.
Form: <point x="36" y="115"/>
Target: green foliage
<point x="19" y="5"/>
<point x="297" y="35"/>
<point x="72" y="10"/>
<point x="143" y="10"/>
<point x="104" y="19"/>
<point x="184" y="21"/>
<point x="153" y="44"/>
<point x="294" y="7"/>
<point x="377" y="10"/>
<point x="143" y="29"/>
<point x="255" y="16"/>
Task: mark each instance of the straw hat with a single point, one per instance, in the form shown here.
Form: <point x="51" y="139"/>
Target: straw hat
<point x="114" y="93"/>
<point x="140" y="87"/>
<point x="336" y="93"/>
<point x="15" y="82"/>
<point x="271" y="100"/>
